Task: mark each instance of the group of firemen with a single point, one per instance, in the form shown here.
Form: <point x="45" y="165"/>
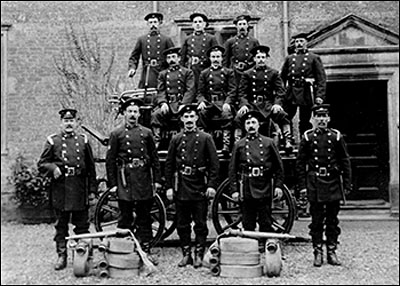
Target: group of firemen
<point x="198" y="83"/>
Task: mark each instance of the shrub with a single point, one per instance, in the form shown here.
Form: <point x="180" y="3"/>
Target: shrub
<point x="31" y="187"/>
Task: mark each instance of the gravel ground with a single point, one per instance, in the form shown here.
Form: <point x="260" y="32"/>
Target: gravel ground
<point x="369" y="252"/>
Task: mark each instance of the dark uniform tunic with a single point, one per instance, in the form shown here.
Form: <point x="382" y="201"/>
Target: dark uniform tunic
<point x="322" y="159"/>
<point x="175" y="87"/>
<point x="255" y="162"/>
<point x="132" y="150"/>
<point x="151" y="47"/>
<point x="237" y="54"/>
<point x="72" y="153"/>
<point x="261" y="88"/>
<point x="132" y="164"/>
<point x="296" y="69"/>
<point x="216" y="87"/>
<point x="194" y="52"/>
<point x="193" y="156"/>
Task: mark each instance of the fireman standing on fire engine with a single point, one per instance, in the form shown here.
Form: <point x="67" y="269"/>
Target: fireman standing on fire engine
<point x="304" y="76"/>
<point x="195" y="47"/>
<point x="237" y="49"/>
<point x="151" y="47"/>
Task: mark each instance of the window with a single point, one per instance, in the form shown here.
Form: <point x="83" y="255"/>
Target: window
<point x="4" y="31"/>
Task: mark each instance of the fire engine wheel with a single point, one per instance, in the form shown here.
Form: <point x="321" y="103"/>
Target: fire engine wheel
<point x="226" y="212"/>
<point x="107" y="213"/>
<point x="81" y="265"/>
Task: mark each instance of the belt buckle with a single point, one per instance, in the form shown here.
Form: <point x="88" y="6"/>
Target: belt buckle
<point x="187" y="170"/>
<point x="172" y="98"/>
<point x="322" y="172"/>
<point x="214" y="97"/>
<point x="260" y="99"/>
<point x="135" y="162"/>
<point x="195" y="60"/>
<point x="153" y="62"/>
<point x="70" y="171"/>
<point x="240" y="65"/>
<point x="256" y="171"/>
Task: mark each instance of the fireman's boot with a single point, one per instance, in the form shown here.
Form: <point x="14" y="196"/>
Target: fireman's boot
<point x="289" y="142"/>
<point x="318" y="254"/>
<point x="331" y="254"/>
<point x="62" y="255"/>
<point x="157" y="135"/>
<point x="187" y="256"/>
<point x="237" y="134"/>
<point x="198" y="256"/>
<point x="146" y="248"/>
<point x="226" y="140"/>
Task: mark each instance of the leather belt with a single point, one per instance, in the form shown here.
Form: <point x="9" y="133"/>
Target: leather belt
<point x="190" y="171"/>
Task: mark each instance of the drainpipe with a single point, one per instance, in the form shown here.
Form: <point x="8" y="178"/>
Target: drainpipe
<point x="285" y="23"/>
<point x="155" y="6"/>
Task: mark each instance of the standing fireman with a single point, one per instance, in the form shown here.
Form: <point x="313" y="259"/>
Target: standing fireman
<point x="217" y="95"/>
<point x="237" y="49"/>
<point x="68" y="159"/>
<point x="256" y="175"/>
<point x="150" y="47"/>
<point x="196" y="45"/>
<point x="324" y="173"/>
<point x="191" y="172"/>
<point x="305" y="78"/>
<point x="133" y="170"/>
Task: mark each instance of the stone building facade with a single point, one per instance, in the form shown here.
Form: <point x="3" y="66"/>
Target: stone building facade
<point x="32" y="35"/>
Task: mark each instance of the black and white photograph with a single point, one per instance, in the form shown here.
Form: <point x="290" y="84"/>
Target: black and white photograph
<point x="200" y="142"/>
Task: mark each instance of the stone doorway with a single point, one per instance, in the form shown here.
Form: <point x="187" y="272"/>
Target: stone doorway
<point x="359" y="110"/>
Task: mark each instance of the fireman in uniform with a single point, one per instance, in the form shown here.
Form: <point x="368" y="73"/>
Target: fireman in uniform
<point x="191" y="172"/>
<point x="151" y="48"/>
<point x="175" y="88"/>
<point x="304" y="76"/>
<point x="324" y="173"/>
<point x="255" y="163"/>
<point x="217" y="94"/>
<point x="68" y="159"/>
<point x="261" y="89"/>
<point x="237" y="49"/>
<point x="196" y="45"/>
<point x="133" y="171"/>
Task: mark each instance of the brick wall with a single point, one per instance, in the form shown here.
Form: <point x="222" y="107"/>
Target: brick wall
<point x="36" y="36"/>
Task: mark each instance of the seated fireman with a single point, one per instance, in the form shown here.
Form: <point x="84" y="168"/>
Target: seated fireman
<point x="216" y="95"/>
<point x="175" y="89"/>
<point x="261" y="89"/>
